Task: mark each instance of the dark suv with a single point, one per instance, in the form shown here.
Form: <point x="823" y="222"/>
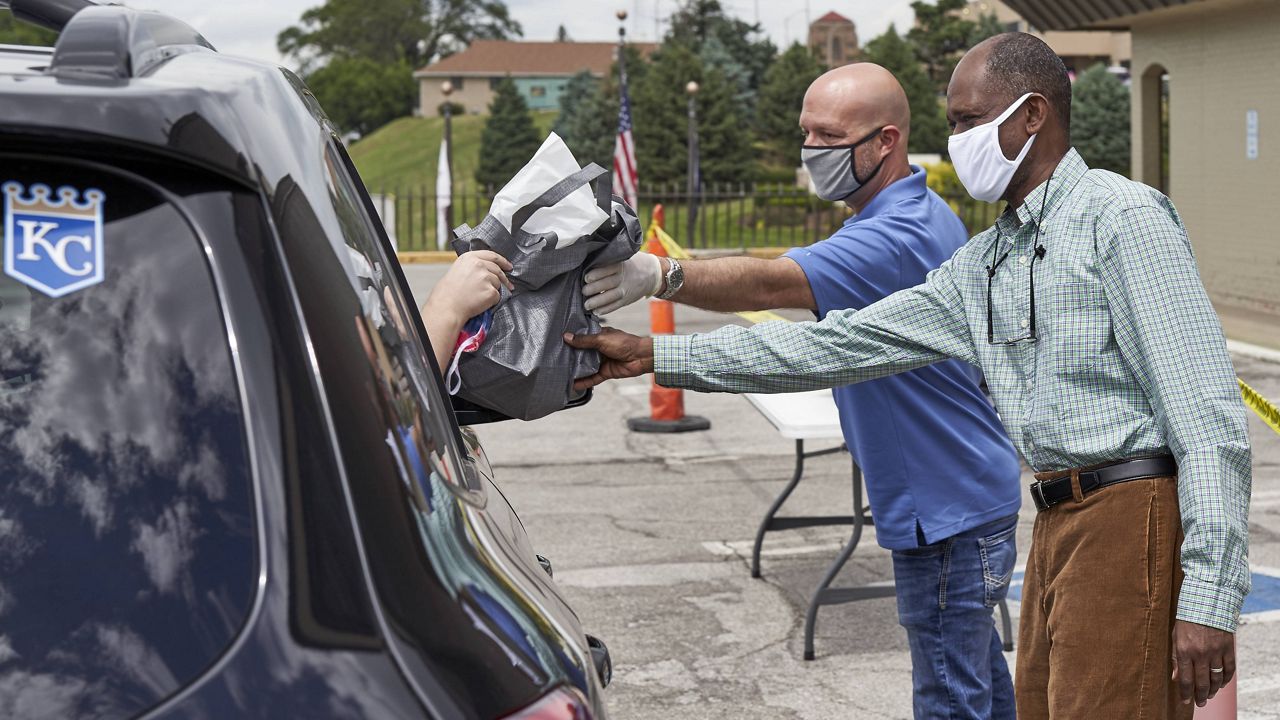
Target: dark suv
<point x="230" y="482"/>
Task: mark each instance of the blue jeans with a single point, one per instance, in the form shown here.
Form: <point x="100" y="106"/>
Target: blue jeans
<point x="946" y="594"/>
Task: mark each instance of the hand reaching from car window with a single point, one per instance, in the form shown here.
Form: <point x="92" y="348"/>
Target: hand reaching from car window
<point x="622" y="355"/>
<point x="472" y="285"/>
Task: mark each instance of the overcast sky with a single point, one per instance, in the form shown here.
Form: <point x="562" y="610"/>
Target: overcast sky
<point x="249" y="27"/>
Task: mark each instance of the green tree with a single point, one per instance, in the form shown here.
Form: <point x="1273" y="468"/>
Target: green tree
<point x="696" y="23"/>
<point x="562" y="35"/>
<point x="13" y="32"/>
<point x="1100" y="120"/>
<point x="781" y="98"/>
<point x="988" y="25"/>
<point x="588" y="118"/>
<point x="508" y="140"/>
<point x="389" y="31"/>
<point x="928" y="118"/>
<point x="940" y="37"/>
<point x="361" y="95"/>
<point x="660" y="110"/>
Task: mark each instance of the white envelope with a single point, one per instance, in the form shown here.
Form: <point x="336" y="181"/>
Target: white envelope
<point x="571" y="218"/>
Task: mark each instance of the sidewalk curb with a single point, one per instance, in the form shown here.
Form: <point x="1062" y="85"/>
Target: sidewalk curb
<point x="1257" y="352"/>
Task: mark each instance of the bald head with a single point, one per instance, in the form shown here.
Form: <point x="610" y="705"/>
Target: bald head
<point x="853" y="100"/>
<point x="860" y="106"/>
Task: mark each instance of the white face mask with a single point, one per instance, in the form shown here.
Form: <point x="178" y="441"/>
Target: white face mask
<point x="980" y="163"/>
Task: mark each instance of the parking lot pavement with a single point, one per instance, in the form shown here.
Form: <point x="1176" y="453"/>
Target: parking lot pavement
<point x="650" y="538"/>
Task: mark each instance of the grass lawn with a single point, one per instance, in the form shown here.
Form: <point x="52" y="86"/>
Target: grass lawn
<point x="403" y="154"/>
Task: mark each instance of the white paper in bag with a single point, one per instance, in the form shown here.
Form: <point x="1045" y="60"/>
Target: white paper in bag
<point x="571" y="218"/>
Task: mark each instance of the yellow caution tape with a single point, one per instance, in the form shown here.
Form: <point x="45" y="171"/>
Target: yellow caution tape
<point x="1260" y="405"/>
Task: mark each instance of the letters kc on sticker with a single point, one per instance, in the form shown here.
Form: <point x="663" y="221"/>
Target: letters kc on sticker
<point x="53" y="242"/>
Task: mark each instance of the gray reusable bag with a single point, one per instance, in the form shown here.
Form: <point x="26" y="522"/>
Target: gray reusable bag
<point x="523" y="368"/>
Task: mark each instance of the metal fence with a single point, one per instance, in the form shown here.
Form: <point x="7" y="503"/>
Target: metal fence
<point x="721" y="216"/>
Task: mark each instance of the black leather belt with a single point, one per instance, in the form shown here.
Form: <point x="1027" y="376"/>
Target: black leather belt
<point x="1047" y="493"/>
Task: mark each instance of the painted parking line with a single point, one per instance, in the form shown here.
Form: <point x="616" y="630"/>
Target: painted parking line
<point x="1262" y="605"/>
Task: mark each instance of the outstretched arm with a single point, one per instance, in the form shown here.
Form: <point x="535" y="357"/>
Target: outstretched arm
<point x="909" y="329"/>
<point x="731" y="284"/>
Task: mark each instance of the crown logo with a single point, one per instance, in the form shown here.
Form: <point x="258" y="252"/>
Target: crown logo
<point x="45" y="201"/>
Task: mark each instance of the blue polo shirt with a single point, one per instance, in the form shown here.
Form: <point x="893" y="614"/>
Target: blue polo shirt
<point x="935" y="457"/>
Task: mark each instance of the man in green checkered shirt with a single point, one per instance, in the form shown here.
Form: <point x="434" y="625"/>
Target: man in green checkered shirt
<point x="1083" y="307"/>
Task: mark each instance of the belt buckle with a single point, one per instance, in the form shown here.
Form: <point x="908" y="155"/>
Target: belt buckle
<point x="1037" y="496"/>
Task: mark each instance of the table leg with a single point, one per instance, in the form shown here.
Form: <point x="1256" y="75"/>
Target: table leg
<point x="773" y="509"/>
<point x="823" y="593"/>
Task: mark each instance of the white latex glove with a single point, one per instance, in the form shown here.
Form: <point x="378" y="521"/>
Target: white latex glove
<point x="612" y="287"/>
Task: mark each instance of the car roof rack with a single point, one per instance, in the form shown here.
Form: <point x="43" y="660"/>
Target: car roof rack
<point x="107" y="42"/>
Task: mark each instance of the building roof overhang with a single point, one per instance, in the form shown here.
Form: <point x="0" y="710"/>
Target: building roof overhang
<point x="1088" y="14"/>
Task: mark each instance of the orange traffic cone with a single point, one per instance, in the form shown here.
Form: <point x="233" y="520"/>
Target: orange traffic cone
<point x="666" y="405"/>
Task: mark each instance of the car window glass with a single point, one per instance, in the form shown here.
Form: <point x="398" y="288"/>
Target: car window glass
<point x="127" y="548"/>
<point x="424" y="439"/>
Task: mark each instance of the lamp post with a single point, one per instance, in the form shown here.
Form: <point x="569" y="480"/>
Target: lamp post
<point x="692" y="184"/>
<point x="446" y="89"/>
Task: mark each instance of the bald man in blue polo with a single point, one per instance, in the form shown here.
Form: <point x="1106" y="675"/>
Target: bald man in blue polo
<point x="944" y="484"/>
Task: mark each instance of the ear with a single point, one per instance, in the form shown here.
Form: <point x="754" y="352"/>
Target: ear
<point x="1037" y="113"/>
<point x="890" y="138"/>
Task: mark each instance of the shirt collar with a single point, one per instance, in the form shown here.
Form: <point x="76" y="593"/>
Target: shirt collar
<point x="905" y="188"/>
<point x="1059" y="186"/>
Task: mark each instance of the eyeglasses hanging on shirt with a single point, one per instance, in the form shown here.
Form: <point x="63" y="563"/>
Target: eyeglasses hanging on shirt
<point x="1038" y="252"/>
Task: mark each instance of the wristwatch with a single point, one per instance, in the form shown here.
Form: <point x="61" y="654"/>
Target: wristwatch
<point x="675" y="279"/>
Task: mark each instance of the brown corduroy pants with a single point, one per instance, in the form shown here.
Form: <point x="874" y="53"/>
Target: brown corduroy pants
<point x="1098" y="603"/>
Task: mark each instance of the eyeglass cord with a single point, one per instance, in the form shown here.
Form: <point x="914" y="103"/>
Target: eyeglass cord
<point x="991" y="269"/>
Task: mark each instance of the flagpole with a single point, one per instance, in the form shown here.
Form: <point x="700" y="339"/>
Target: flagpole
<point x="444" y="208"/>
<point x="626" y="178"/>
<point x="693" y="185"/>
<point x="622" y="46"/>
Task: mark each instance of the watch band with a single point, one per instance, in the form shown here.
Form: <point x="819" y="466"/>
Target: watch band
<point x="675" y="279"/>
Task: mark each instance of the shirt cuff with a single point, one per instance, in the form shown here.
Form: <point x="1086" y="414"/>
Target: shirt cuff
<point x="1207" y="604"/>
<point x="671" y="359"/>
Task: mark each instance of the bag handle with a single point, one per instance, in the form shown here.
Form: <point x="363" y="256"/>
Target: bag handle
<point x="555" y="194"/>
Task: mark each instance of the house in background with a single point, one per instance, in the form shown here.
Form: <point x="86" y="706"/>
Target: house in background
<point x="1205" y="122"/>
<point x="1079" y="49"/>
<point x="540" y="70"/>
<point x="833" y="38"/>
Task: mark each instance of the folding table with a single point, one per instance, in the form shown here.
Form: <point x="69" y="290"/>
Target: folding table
<point x="813" y="416"/>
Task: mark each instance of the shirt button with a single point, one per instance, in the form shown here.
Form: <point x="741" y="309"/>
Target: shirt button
<point x="1022" y="260"/>
<point x="1026" y="323"/>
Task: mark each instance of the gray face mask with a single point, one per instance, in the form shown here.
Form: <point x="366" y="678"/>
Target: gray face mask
<point x="831" y="167"/>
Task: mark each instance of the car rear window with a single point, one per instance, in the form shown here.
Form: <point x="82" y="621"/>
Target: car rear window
<point x="127" y="542"/>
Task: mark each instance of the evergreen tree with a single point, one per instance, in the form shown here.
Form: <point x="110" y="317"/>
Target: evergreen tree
<point x="928" y="117"/>
<point x="781" y="98"/>
<point x="988" y="25"/>
<point x="939" y="38"/>
<point x="697" y="22"/>
<point x="588" y="119"/>
<point x="508" y="140"/>
<point x="1100" y="120"/>
<point x="661" y="124"/>
<point x="562" y="35"/>
<point x="715" y="54"/>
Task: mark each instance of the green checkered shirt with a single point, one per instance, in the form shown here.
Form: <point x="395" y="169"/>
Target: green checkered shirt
<point x="1130" y="359"/>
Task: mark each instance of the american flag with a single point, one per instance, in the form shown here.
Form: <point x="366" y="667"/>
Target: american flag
<point x="625" y="177"/>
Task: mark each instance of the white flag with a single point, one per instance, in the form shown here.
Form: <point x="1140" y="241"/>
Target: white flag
<point x="444" y="197"/>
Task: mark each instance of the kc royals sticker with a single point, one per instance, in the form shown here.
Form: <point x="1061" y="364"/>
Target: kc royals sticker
<point x="53" y="241"/>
